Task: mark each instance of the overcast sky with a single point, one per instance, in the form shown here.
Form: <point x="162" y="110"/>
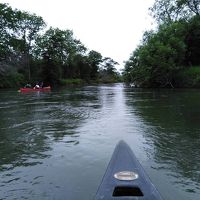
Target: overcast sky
<point x="112" y="27"/>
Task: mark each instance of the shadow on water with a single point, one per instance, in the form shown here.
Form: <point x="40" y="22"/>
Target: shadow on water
<point x="172" y="130"/>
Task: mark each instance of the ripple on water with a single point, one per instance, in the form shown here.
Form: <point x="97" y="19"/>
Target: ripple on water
<point x="52" y="144"/>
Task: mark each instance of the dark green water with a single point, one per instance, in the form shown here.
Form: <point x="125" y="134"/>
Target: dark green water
<point x="57" y="145"/>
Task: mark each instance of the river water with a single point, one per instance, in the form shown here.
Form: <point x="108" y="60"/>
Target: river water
<point x="57" y="145"/>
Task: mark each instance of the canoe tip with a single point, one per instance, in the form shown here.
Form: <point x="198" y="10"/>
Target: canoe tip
<point x="122" y="142"/>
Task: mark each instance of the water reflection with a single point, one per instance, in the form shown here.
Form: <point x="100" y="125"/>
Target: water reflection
<point x="172" y="130"/>
<point x="31" y="122"/>
<point x="31" y="126"/>
<point x="52" y="144"/>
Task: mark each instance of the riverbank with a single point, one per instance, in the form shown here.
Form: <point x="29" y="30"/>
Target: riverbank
<point x="16" y="81"/>
<point x="185" y="78"/>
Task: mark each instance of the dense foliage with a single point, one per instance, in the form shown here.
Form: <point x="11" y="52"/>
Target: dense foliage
<point x="166" y="57"/>
<point x="30" y="53"/>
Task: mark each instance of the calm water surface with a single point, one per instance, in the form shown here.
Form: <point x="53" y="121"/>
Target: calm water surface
<point x="57" y="145"/>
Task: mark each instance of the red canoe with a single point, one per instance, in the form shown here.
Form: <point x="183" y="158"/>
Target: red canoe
<point x="44" y="89"/>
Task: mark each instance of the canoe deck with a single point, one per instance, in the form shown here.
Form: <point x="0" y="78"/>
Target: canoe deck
<point x="137" y="185"/>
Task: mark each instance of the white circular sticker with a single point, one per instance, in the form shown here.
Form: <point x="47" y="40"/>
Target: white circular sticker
<point x="126" y="176"/>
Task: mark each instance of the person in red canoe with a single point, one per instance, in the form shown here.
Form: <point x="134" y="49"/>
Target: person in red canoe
<point x="41" y="84"/>
<point x="37" y="86"/>
<point x="28" y="85"/>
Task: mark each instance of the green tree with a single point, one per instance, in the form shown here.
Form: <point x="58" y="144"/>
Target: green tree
<point x="156" y="62"/>
<point x="192" y="41"/>
<point x="9" y="59"/>
<point x="58" y="44"/>
<point x="108" y="72"/>
<point x="6" y="15"/>
<point x="18" y="32"/>
<point x="167" y="53"/>
<point x="167" y="11"/>
<point x="28" y="27"/>
<point x="95" y="59"/>
<point x="27" y="54"/>
<point x="109" y="65"/>
<point x="61" y="49"/>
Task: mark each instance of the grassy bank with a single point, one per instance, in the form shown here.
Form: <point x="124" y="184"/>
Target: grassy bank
<point x="66" y="82"/>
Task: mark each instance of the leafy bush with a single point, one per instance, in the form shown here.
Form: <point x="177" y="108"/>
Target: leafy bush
<point x="190" y="77"/>
<point x="11" y="80"/>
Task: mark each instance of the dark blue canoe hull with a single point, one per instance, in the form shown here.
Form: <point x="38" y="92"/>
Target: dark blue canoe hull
<point x="111" y="188"/>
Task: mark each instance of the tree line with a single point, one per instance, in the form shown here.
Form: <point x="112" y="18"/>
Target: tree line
<point x="170" y="55"/>
<point x="30" y="52"/>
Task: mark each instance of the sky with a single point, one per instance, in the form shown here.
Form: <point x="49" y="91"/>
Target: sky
<point x="114" y="28"/>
